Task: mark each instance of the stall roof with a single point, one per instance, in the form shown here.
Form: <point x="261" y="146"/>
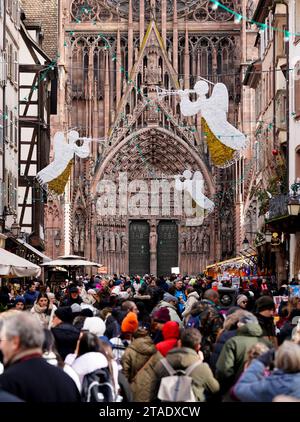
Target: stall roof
<point x="235" y="260"/>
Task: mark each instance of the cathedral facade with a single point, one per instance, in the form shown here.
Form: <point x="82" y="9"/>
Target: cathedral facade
<point x="119" y="65"/>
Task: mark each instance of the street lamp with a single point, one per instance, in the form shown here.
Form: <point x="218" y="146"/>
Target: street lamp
<point x="57" y="239"/>
<point x="245" y="243"/>
<point x="15" y="228"/>
<point x="294" y="202"/>
<point x="268" y="236"/>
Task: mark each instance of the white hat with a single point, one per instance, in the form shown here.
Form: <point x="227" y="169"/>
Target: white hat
<point x="94" y="325"/>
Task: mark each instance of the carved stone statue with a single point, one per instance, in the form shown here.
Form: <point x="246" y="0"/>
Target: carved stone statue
<point x="118" y="242"/>
<point x="152" y="71"/>
<point x="82" y="239"/>
<point x="206" y="243"/>
<point x="189" y="242"/>
<point x="194" y="240"/>
<point x="99" y="240"/>
<point x="106" y="240"/>
<point x="112" y="241"/>
<point x="183" y="239"/>
<point x="76" y="239"/>
<point x="124" y="242"/>
<point x="153" y="240"/>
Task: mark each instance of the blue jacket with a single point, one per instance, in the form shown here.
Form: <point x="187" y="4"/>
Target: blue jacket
<point x="254" y="386"/>
<point x="179" y="294"/>
<point x="30" y="297"/>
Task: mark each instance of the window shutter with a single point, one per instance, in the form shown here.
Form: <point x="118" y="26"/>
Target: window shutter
<point x="297" y="89"/>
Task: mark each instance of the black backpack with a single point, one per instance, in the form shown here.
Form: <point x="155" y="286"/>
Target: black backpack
<point x="97" y="386"/>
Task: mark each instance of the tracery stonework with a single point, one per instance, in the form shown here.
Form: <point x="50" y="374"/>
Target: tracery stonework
<point x="147" y="138"/>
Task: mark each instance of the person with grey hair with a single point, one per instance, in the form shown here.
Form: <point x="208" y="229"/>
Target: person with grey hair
<point x="27" y="375"/>
<point x="231" y="361"/>
<point x="254" y="386"/>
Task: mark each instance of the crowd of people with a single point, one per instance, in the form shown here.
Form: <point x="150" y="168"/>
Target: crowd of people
<point x="148" y="339"/>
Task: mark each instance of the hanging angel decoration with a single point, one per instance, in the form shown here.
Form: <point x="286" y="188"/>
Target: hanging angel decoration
<point x="57" y="173"/>
<point x="224" y="140"/>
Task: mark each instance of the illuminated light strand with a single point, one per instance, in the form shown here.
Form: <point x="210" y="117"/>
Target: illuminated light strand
<point x="260" y="25"/>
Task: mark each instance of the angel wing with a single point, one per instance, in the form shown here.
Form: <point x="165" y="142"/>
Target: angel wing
<point x="62" y="155"/>
<point x="220" y="97"/>
<point x="214" y="111"/>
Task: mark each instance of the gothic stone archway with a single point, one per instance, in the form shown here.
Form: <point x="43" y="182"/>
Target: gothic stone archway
<point x="151" y="154"/>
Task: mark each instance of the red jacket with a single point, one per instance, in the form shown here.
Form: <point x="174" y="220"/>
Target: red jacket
<point x="170" y="333"/>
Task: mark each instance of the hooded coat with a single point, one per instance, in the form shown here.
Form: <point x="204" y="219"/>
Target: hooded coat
<point x="253" y="386"/>
<point x="172" y="311"/>
<point x="191" y="300"/>
<point x="170" y="332"/>
<point x="136" y="355"/>
<point x="232" y="358"/>
<point x="202" y="376"/>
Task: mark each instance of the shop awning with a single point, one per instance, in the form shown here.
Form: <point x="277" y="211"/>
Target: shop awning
<point x="44" y="257"/>
<point x="12" y="265"/>
<point x="236" y="260"/>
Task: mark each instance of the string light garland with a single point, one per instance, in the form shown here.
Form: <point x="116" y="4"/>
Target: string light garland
<point x="216" y="4"/>
<point x="247" y="168"/>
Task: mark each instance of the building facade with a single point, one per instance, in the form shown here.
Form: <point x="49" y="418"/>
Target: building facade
<point x="113" y="56"/>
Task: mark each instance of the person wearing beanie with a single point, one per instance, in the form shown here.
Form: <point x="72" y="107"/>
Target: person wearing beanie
<point x="265" y="308"/>
<point x="242" y="301"/>
<point x="170" y="302"/>
<point x="130" y="323"/>
<point x="65" y="334"/>
<point x="19" y="303"/>
<point x="161" y="316"/>
<point x="171" y="333"/>
<point x="233" y="355"/>
<point x="72" y="297"/>
<point x="94" y="325"/>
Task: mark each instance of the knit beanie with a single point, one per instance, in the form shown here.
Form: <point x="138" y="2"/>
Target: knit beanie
<point x="170" y="298"/>
<point x="264" y="303"/>
<point x="64" y="313"/>
<point x="19" y="299"/>
<point x="130" y="323"/>
<point x="240" y="299"/>
<point x="162" y="315"/>
<point x="94" y="325"/>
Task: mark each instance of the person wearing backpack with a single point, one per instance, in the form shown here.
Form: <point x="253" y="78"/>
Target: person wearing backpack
<point x="98" y="378"/>
<point x="183" y="376"/>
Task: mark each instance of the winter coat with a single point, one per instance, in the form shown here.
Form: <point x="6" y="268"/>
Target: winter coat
<point x="30" y="297"/>
<point x="191" y="300"/>
<point x="143" y="385"/>
<point x="51" y="358"/>
<point x="253" y="386"/>
<point x="36" y="381"/>
<point x="89" y="362"/>
<point x="66" y="336"/>
<point x="268" y="327"/>
<point x="170" y="333"/>
<point x="136" y="355"/>
<point x="234" y="353"/>
<point x="182" y="358"/>
<point x="211" y="322"/>
<point x="172" y="311"/>
<point x="113" y="328"/>
<point x="41" y="314"/>
<point x="226" y="335"/>
<point x="180" y="294"/>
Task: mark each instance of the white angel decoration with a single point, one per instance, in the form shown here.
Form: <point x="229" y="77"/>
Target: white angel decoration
<point x="56" y="174"/>
<point x="224" y="140"/>
<point x="194" y="185"/>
